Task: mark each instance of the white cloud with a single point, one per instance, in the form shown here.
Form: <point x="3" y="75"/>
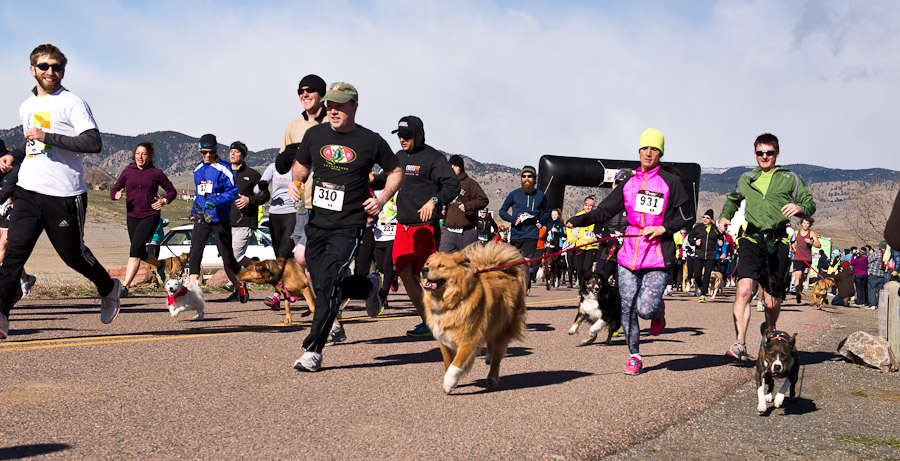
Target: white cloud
<point x="500" y="82"/>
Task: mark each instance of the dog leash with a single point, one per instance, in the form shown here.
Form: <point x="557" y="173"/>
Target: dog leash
<point x="804" y="261"/>
<point x="552" y="255"/>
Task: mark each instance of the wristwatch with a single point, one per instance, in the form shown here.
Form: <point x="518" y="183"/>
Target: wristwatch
<point x="435" y="201"/>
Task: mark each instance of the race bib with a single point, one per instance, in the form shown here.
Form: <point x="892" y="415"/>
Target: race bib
<point x="329" y="196"/>
<point x="649" y="202"/>
<point x="204" y="187"/>
<point x="387" y="228"/>
<point x="455" y="230"/>
<point x="35" y="148"/>
<point x="589" y="235"/>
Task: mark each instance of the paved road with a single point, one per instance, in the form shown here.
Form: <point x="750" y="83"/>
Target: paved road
<point x="151" y="386"/>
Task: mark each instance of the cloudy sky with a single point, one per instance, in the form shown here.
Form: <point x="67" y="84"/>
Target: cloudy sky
<point x="500" y="81"/>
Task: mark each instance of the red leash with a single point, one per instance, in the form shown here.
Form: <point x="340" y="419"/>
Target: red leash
<point x="551" y="255"/>
<point x="804" y="261"/>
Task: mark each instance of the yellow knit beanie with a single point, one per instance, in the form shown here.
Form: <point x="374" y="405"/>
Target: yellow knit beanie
<point x="652" y="138"/>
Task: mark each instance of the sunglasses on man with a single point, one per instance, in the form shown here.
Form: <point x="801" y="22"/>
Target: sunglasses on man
<point x="45" y="66"/>
<point x="527" y="176"/>
<point x="768" y="153"/>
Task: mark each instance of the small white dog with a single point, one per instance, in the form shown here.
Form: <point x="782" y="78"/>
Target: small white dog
<point x="184" y="298"/>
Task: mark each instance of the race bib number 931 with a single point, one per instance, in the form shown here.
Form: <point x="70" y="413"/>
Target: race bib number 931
<point x="649" y="202"/>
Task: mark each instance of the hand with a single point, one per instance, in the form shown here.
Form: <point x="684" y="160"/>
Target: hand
<point x="569" y="225"/>
<point x="209" y="205"/>
<point x="538" y="225"/>
<point x="118" y="194"/>
<point x="35" y="133"/>
<point x="722" y="223"/>
<point x="517" y="222"/>
<point x="790" y="209"/>
<point x="462" y="208"/>
<point x="294" y="191"/>
<point x="6" y="163"/>
<point x="426" y="210"/>
<point x="654" y="232"/>
<point x="158" y="204"/>
<point x="241" y="201"/>
<point x="373" y="205"/>
<point x="696" y="242"/>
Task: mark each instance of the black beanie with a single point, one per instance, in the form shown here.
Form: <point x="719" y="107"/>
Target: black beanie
<point x="710" y="213"/>
<point x="208" y="141"/>
<point x="314" y="82"/>
<point x="458" y="161"/>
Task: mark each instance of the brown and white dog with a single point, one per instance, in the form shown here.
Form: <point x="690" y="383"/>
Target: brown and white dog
<point x="716" y="279"/>
<point x="287" y="276"/>
<point x="173" y="267"/>
<point x="466" y="310"/>
<point x="820" y="292"/>
<point x="181" y="297"/>
<point x="778" y="358"/>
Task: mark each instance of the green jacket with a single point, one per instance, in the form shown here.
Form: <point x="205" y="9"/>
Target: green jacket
<point x="764" y="212"/>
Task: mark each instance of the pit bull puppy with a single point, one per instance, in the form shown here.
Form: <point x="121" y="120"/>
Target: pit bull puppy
<point x="778" y="357"/>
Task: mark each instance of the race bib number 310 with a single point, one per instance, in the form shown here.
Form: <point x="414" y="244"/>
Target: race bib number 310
<point x="649" y="202"/>
<point x="329" y="196"/>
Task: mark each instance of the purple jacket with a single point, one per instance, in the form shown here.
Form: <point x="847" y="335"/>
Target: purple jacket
<point x="141" y="186"/>
<point x="860" y="264"/>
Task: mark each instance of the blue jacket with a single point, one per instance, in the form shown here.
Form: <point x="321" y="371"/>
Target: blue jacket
<point x="535" y="204"/>
<point x="219" y="177"/>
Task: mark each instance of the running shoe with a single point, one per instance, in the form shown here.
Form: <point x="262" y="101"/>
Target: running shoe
<point x="702" y="299"/>
<point x="109" y="304"/>
<point x="273" y="302"/>
<point x="799" y="298"/>
<point x="373" y="301"/>
<point x="394" y="284"/>
<point x="243" y="293"/>
<point x="27" y="284"/>
<point x="124" y="292"/>
<point x="309" y="361"/>
<point x="336" y="335"/>
<point x="634" y="366"/>
<point x="737" y="351"/>
<point x="232" y="297"/>
<point x="420" y="331"/>
<point x="4" y="326"/>
<point x="659" y="322"/>
<point x="760" y="307"/>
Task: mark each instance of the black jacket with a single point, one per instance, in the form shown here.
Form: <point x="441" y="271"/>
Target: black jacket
<point x="247" y="179"/>
<point x="707" y="247"/>
<point x="8" y="182"/>
<point x="426" y="174"/>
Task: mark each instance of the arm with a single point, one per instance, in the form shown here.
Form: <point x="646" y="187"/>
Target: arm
<point x="88" y="142"/>
<point x="229" y="190"/>
<point x="120" y="183"/>
<point x="613" y="204"/>
<point x="732" y="203"/>
<point x="815" y="239"/>
<point x="167" y="186"/>
<point x="299" y="172"/>
<point x="285" y="160"/>
<point x="448" y="183"/>
<point x="479" y="200"/>
<point x="504" y="209"/>
<point x="373" y="205"/>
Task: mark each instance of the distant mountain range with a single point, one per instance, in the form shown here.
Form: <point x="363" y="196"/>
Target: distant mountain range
<point x="176" y="154"/>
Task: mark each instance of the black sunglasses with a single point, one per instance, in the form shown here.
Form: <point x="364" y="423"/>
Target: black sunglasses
<point x="307" y="90"/>
<point x="526" y="176"/>
<point x="770" y="153"/>
<point x="44" y="67"/>
<point x="208" y="151"/>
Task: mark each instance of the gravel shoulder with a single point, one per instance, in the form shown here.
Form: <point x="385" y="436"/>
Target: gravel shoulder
<point x="842" y="411"/>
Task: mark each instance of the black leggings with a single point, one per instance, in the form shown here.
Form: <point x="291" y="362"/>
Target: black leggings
<point x="281" y="227"/>
<point x="140" y="231"/>
<point x="366" y="252"/>
<point x="384" y="264"/>
<point x="200" y="235"/>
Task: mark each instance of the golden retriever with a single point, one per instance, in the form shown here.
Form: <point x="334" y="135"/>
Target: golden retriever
<point x="467" y="310"/>
<point x="820" y="292"/>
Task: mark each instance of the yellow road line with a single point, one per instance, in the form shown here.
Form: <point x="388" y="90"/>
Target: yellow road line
<point x="115" y="341"/>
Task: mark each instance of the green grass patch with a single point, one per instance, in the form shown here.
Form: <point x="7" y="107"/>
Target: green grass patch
<point x="870" y="442"/>
<point x="860" y="394"/>
<point x="102" y="207"/>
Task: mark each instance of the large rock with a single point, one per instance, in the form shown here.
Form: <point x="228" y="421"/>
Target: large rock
<point x="143" y="276"/>
<point x="217" y="280"/>
<point x="864" y="349"/>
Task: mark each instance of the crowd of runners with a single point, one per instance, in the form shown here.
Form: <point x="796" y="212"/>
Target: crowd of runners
<point x="340" y="200"/>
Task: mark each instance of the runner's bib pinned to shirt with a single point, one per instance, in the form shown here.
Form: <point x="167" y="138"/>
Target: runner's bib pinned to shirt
<point x="649" y="202"/>
<point x="388" y="228"/>
<point x="204" y="187"/>
<point x="329" y="196"/>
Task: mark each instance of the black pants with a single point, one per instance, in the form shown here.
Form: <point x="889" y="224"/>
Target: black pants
<point x="63" y="220"/>
<point x="528" y="248"/>
<point x="584" y="261"/>
<point x="385" y="264"/>
<point x="200" y="235"/>
<point x="281" y="228"/>
<point x="702" y="271"/>
<point x="328" y="253"/>
<point x="140" y="231"/>
<point x="363" y="264"/>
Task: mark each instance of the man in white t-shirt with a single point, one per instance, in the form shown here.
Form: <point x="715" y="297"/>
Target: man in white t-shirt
<point x="52" y="195"/>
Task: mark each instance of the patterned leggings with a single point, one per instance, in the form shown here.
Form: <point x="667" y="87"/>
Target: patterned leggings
<point x="641" y="292"/>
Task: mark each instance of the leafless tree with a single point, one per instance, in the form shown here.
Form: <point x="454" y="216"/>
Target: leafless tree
<point x="869" y="210"/>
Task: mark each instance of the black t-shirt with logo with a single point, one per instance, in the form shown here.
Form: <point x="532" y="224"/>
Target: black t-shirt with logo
<point x="342" y="162"/>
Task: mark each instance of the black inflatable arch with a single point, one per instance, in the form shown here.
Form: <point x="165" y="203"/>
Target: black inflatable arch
<point x="556" y="172"/>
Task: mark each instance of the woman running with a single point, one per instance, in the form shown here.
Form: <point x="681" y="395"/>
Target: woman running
<point x="140" y="181"/>
<point x="658" y="206"/>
